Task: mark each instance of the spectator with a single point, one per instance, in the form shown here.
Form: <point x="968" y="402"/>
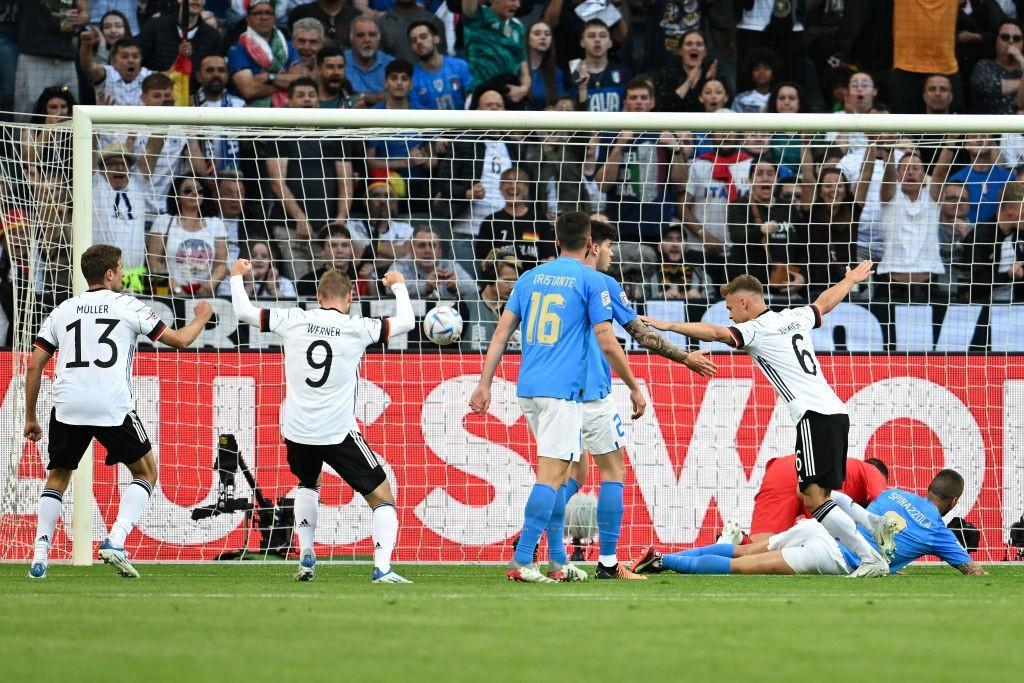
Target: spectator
<point x="495" y="44"/>
<point x="954" y="230"/>
<point x="938" y="94"/>
<point x="910" y="218"/>
<point x="515" y="228"/>
<point x="119" y="193"/>
<point x="859" y="99"/>
<point x="188" y="247"/>
<point x="714" y="96"/>
<point x="365" y="62"/>
<point x="786" y="149"/>
<point x="778" y="26"/>
<point x="635" y="170"/>
<point x="222" y="152"/>
<point x="336" y="16"/>
<point x="395" y="24"/>
<point x="265" y="281"/>
<point x="161" y="39"/>
<point x="46" y="149"/>
<point x="983" y="178"/>
<point x="677" y="85"/>
<point x="670" y="21"/>
<point x="128" y="9"/>
<point x="239" y="226"/>
<point x="924" y="43"/>
<point x="995" y="83"/>
<point x="832" y="233"/>
<point x="262" y="63"/>
<point x="383" y="237"/>
<point x="438" y="81"/>
<point x="311" y="178"/>
<point x="333" y="87"/>
<point x="308" y="39"/>
<point x="599" y="82"/>
<point x="556" y="160"/>
<point x="547" y="81"/>
<point x="674" y="279"/>
<point x="113" y="26"/>
<point x="761" y="72"/>
<point x="428" y="276"/>
<point x="397" y="84"/>
<point x="120" y="82"/>
<point x="977" y="23"/>
<point x="995" y="251"/>
<point x="45" y="50"/>
<point x="335" y="252"/>
<point x="498" y="277"/>
<point x="566" y="19"/>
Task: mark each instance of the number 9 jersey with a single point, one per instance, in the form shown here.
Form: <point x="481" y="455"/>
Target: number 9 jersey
<point x="780" y="343"/>
<point x="96" y="333"/>
<point x="323" y="349"/>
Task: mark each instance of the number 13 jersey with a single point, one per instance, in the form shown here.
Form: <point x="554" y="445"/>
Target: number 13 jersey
<point x="780" y="344"/>
<point x="322" y="352"/>
<point x="95" y="333"/>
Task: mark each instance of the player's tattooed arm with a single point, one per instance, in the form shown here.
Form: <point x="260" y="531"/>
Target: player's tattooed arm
<point x="652" y="341"/>
<point x="971" y="569"/>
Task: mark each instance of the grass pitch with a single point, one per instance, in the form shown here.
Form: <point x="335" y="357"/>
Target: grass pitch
<point x="252" y="622"/>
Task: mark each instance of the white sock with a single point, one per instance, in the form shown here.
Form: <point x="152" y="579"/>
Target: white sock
<point x="866" y="519"/>
<point x="133" y="500"/>
<point x="841" y="525"/>
<point x="46" y="522"/>
<point x="608" y="560"/>
<point x="385" y="535"/>
<point x="307" y="503"/>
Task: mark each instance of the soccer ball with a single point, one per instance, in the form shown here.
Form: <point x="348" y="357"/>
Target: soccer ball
<point x="442" y="325"/>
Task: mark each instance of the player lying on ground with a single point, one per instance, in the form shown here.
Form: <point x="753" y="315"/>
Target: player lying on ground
<point x="559" y="304"/>
<point x="322" y="352"/>
<point x="808" y="548"/>
<point x="95" y="333"/>
<point x="603" y="433"/>
<point x="780" y="344"/>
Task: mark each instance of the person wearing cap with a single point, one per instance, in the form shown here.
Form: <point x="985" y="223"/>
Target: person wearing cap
<point x="263" y="63"/>
<point x="382" y="237"/>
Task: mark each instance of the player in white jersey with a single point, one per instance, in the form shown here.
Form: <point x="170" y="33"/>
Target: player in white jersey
<point x="780" y="344"/>
<point x="322" y="352"/>
<point x="96" y="333"/>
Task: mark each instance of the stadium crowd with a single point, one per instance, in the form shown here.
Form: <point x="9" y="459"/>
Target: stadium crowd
<point x="461" y="218"/>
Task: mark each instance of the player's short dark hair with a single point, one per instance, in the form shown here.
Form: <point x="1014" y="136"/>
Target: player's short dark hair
<point x="878" y="465"/>
<point x="398" y="66"/>
<point x="328" y="51"/>
<point x="743" y="283"/>
<point x="334" y="284"/>
<point x="417" y="24"/>
<point x="97" y="260"/>
<point x="122" y="44"/>
<point x="603" y="231"/>
<point x="641" y="83"/>
<point x="305" y="81"/>
<point x="947" y="484"/>
<point x="572" y="230"/>
<point x="157" y="81"/>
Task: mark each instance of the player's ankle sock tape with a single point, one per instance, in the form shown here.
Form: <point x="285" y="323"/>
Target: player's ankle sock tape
<point x="609" y="516"/>
<point x="705" y="564"/>
<point x="536" y="516"/>
<point x="556" y="528"/>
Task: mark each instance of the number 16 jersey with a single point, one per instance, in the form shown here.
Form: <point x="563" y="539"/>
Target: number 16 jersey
<point x="322" y="352"/>
<point x="95" y="333"/>
<point x="780" y="344"/>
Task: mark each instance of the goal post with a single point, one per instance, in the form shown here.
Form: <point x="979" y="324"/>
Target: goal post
<point x="931" y="382"/>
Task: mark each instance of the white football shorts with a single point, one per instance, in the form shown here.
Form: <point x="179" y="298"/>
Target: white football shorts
<point x="557" y="425"/>
<point x="602" y="426"/>
<point x="808" y="548"/>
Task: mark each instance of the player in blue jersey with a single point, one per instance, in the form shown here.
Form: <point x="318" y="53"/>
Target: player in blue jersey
<point x="603" y="434"/>
<point x="808" y="548"/>
<point x="557" y="307"/>
<point x="438" y="81"/>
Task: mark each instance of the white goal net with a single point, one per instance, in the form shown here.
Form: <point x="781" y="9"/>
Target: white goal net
<point x="926" y="354"/>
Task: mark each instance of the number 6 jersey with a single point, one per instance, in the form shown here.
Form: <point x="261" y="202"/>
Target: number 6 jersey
<point x="780" y="344"/>
<point x="95" y="333"/>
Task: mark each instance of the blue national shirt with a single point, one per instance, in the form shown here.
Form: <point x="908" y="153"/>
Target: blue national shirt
<point x="558" y="303"/>
<point x="445" y="88"/>
<point x="926" y="533"/>
<point x="599" y="373"/>
<point x="983" y="189"/>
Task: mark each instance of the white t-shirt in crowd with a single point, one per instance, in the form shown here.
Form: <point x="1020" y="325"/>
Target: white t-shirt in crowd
<point x="190" y="255"/>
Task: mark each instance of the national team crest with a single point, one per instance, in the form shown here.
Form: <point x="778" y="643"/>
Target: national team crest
<point x="438" y="85"/>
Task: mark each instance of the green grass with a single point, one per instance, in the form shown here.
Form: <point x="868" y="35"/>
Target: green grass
<point x="252" y="622"/>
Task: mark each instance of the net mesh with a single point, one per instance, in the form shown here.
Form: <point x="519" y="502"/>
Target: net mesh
<point x="925" y="354"/>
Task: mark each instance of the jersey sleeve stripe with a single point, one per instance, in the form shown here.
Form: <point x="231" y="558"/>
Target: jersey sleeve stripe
<point x="157" y="331"/>
<point x="817" y="315"/>
<point x="385" y="330"/>
<point x="737" y="337"/>
<point x="44" y="345"/>
<point x="264" y="320"/>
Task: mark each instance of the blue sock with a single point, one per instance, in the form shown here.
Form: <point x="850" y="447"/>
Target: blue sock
<point x="571" y="488"/>
<point x="719" y="549"/>
<point x="705" y="564"/>
<point x="536" y="516"/>
<point x="556" y="528"/>
<point x="609" y="515"/>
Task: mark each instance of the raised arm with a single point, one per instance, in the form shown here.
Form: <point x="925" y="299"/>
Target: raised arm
<point x="617" y="359"/>
<point x="940" y="172"/>
<point x="888" y="189"/>
<point x="403" y="320"/>
<point x="837" y="293"/>
<point x="652" y="341"/>
<point x="33" y="380"/>
<point x="701" y="331"/>
<point x="179" y="339"/>
<point x="87" y="40"/>
<point x="481" y="397"/>
<point x="244" y="309"/>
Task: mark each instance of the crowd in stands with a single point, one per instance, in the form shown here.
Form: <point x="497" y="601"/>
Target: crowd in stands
<point x="462" y="218"/>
